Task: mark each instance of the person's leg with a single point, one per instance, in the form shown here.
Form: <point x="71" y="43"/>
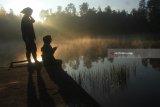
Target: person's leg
<point x="28" y="55"/>
<point x="34" y="56"/>
<point x="28" y="52"/>
<point x="34" y="51"/>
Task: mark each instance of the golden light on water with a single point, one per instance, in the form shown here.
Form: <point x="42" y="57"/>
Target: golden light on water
<point x="71" y="49"/>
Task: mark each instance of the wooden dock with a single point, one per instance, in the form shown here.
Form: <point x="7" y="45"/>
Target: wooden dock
<point x="38" y="86"/>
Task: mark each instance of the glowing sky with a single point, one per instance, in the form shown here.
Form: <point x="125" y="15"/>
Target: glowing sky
<point x="37" y="5"/>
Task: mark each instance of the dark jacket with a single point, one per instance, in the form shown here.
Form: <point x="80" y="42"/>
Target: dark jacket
<point x="48" y="54"/>
<point x="27" y="28"/>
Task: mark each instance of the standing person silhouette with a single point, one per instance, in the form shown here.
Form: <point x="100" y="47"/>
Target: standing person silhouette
<point x="28" y="34"/>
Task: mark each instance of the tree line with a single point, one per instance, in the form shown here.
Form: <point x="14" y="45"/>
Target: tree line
<point x="144" y="19"/>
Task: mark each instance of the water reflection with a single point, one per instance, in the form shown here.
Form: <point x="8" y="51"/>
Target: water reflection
<point x="154" y="62"/>
<point x="108" y="79"/>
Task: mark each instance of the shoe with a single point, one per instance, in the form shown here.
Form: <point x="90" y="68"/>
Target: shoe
<point x="29" y="62"/>
<point x="36" y="61"/>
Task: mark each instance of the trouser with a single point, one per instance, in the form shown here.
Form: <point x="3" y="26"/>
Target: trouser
<point x="31" y="49"/>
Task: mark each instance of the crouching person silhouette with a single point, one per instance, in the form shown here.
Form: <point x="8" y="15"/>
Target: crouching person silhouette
<point x="48" y="52"/>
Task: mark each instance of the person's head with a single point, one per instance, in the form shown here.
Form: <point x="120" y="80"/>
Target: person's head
<point x="27" y="11"/>
<point x="47" y="39"/>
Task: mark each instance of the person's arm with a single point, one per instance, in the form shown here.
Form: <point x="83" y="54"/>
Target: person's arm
<point x="54" y="49"/>
<point x="32" y="20"/>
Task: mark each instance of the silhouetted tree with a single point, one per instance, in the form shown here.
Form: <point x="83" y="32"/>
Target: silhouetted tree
<point x="2" y="11"/>
<point x="44" y="14"/>
<point x="142" y="5"/>
<point x="154" y="14"/>
<point x="108" y="10"/>
<point x="11" y="12"/>
<point x="59" y="9"/>
<point x="142" y="14"/>
<point x="70" y="9"/>
<point x="139" y="17"/>
<point x="142" y="9"/>
<point x="83" y="8"/>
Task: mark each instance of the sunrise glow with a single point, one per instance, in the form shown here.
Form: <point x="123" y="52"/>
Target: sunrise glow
<point x="19" y="5"/>
<point x="38" y="5"/>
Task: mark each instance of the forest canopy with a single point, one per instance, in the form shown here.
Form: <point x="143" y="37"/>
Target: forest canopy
<point x="94" y="21"/>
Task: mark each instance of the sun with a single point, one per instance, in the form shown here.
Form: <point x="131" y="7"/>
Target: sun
<point x="19" y="5"/>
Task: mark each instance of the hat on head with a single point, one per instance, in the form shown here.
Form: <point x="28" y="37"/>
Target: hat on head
<point x="26" y="10"/>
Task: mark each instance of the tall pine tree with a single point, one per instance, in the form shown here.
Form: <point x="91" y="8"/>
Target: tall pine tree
<point x="154" y="13"/>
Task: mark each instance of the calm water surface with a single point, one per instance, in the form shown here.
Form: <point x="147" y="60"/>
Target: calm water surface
<point x="114" y="82"/>
<point x="120" y="82"/>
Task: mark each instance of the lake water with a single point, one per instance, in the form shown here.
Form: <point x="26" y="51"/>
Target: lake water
<point x="122" y="82"/>
<point x="113" y="82"/>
